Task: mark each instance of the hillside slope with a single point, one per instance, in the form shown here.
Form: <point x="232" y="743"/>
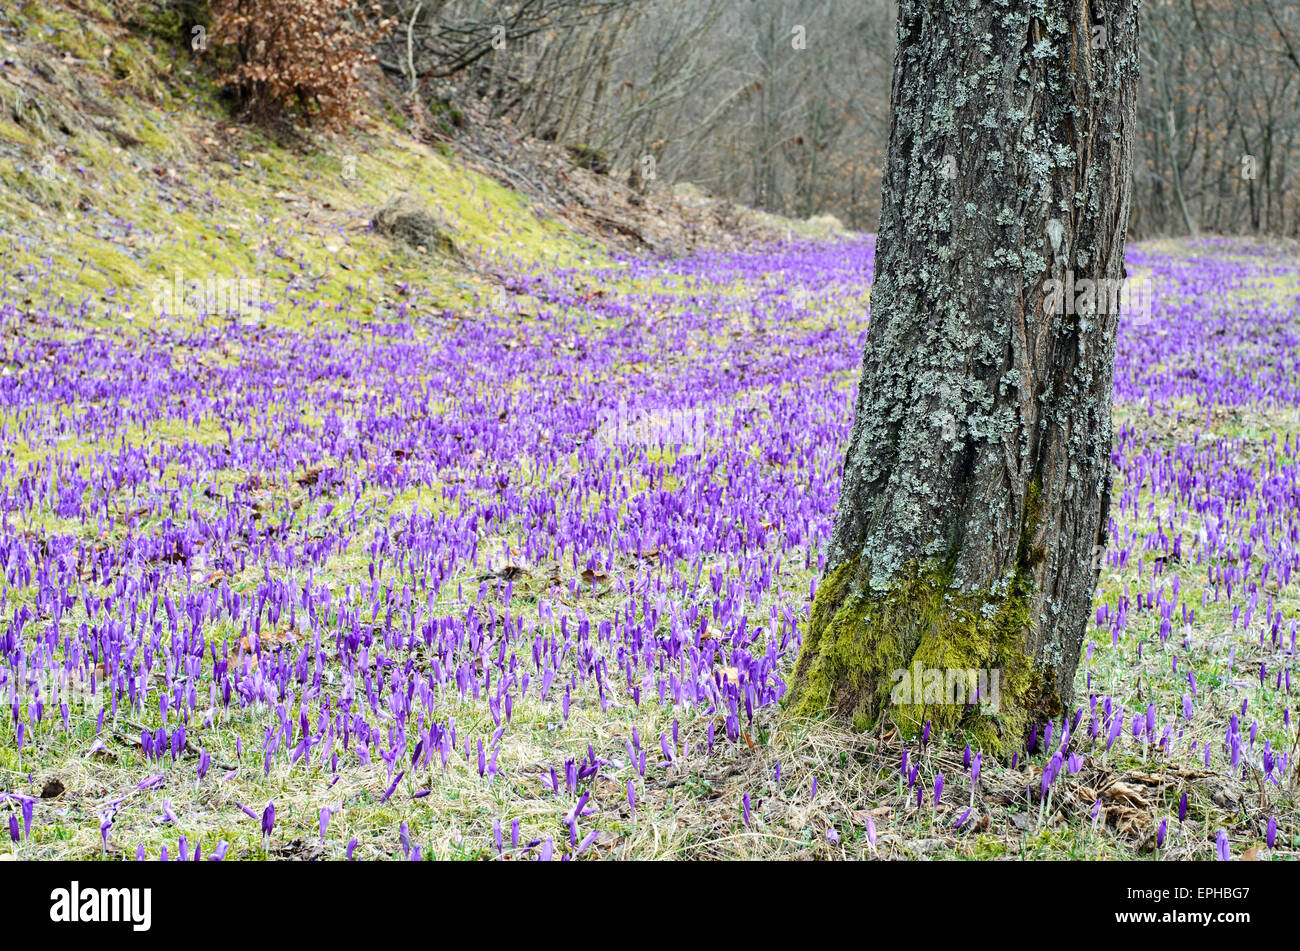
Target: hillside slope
<point x="121" y="168"/>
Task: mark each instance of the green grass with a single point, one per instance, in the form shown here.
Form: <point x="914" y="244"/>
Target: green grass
<point x="247" y="203"/>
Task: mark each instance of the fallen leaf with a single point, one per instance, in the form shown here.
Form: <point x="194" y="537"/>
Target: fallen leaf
<point x="1127" y="792"/>
<point x="265" y="640"/>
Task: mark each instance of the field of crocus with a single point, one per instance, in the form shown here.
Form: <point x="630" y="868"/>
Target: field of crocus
<point x="525" y="579"/>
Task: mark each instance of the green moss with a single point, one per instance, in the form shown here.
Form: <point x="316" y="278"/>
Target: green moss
<point x="868" y="656"/>
<point x="154" y="138"/>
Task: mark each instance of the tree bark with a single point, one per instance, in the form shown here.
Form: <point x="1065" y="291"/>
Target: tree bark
<point x="977" y="478"/>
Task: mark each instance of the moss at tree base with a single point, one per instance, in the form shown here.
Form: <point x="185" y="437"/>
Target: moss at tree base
<point x="862" y="652"/>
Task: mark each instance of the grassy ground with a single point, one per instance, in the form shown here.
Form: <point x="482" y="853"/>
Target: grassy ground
<point x="693" y="805"/>
<point x="389" y="342"/>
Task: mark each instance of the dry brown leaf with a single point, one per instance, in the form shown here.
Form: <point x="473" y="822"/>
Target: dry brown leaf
<point x="1127" y="792"/>
<point x="266" y="639"/>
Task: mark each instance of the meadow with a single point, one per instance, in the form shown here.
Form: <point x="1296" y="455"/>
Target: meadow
<point x="523" y="576"/>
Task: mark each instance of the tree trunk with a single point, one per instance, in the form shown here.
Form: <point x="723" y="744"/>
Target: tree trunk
<point x="977" y="479"/>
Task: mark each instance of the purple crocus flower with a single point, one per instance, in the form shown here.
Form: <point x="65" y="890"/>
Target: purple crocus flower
<point x="589" y="838"/>
<point x="268" y="819"/>
<point x="574" y="814"/>
<point x="28" y="804"/>
<point x="1224" y="849"/>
